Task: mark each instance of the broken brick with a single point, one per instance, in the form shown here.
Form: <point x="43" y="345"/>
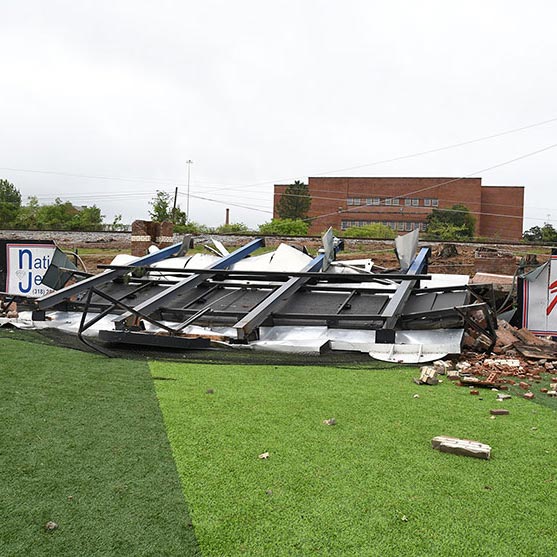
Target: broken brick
<point x="528" y="395"/>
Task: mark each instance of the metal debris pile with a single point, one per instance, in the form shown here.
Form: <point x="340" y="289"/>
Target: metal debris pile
<point x="284" y="300"/>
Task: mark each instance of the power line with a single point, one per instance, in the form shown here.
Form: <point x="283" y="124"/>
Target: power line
<point x="356" y="167"/>
<point x="510" y="161"/>
<point x="251" y="208"/>
<point x="419" y="153"/>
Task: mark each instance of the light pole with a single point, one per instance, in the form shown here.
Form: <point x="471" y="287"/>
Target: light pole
<point x="189" y="163"/>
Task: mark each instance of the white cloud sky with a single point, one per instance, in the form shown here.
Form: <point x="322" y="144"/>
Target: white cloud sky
<point x="259" y="92"/>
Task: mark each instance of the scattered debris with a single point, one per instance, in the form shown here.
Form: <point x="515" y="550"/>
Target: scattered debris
<point x="210" y="392"/>
<point x="428" y="376"/>
<point x="50" y="526"/>
<point x="529" y="395"/>
<point x="287" y="300"/>
<point x="464" y="447"/>
<point x="443" y="367"/>
<point x="499" y="412"/>
<point x="446" y="251"/>
<point x="330" y="421"/>
<point x="264" y="456"/>
<point x="283" y="300"/>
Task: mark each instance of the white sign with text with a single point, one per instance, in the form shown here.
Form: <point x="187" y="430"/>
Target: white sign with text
<point x="26" y="266"/>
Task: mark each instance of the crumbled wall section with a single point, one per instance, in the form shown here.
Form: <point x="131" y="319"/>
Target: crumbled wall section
<point x="145" y="233"/>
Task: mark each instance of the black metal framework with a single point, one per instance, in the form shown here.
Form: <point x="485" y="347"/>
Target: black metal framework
<point x="248" y="300"/>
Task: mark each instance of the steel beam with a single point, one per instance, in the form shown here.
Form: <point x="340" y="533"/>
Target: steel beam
<point x="275" y="300"/>
<point x="155" y="302"/>
<point x="394" y="308"/>
<point x="54" y="298"/>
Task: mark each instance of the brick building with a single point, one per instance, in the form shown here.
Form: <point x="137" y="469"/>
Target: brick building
<point x="404" y="203"/>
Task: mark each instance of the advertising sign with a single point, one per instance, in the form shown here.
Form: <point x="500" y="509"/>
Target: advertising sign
<point x="539" y="299"/>
<point x="26" y="264"/>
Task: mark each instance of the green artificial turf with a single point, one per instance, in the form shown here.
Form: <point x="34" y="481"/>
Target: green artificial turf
<point x="370" y="485"/>
<point x="83" y="445"/>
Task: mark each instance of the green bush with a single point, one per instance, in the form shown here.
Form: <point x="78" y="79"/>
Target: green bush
<point x="447" y="231"/>
<point x="232" y="228"/>
<point x="374" y="230"/>
<point x="284" y="227"/>
<point x="191" y="228"/>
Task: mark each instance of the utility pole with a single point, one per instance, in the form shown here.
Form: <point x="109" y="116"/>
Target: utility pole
<point x="174" y="207"/>
<point x="189" y="163"/>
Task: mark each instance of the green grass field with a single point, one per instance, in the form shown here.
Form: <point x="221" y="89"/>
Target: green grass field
<point x="370" y="485"/>
<point x="84" y="444"/>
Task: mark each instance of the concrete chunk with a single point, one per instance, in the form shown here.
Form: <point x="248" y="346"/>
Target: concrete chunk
<point x="464" y="447"/>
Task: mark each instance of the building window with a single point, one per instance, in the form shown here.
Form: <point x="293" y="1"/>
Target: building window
<point x="376" y="201"/>
<point x="422" y="226"/>
<point x="357" y="201"/>
<point x="344" y="225"/>
<point x="388" y="201"/>
<point x="415" y="202"/>
<point x="400" y="225"/>
<point x="435" y="202"/>
<point x="369" y="201"/>
<point x="350" y="201"/>
<point x="427" y="202"/>
<point x="396" y="201"/>
<point x="409" y="226"/>
<point x="408" y="202"/>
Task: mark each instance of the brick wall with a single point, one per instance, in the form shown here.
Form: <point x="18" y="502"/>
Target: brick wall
<point x="147" y="233"/>
<point x="330" y="207"/>
<point x="502" y="209"/>
<point x="333" y="201"/>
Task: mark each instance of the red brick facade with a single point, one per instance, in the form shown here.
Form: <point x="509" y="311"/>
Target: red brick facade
<point x="404" y="203"/>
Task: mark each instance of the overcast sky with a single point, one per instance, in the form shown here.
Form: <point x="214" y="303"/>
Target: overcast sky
<point x="256" y="93"/>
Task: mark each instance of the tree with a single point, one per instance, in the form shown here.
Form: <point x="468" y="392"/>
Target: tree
<point x="117" y="223"/>
<point x="295" y="202"/>
<point x="88" y="218"/>
<point x="455" y="223"/>
<point x="10" y="203"/>
<point x="284" y="227"/>
<point x="161" y="207"/>
<point x="59" y="215"/>
<point x="27" y="217"/>
<point x="372" y="230"/>
<point x="232" y="228"/>
<point x="446" y="231"/>
<point x="191" y="227"/>
<point x="544" y="234"/>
